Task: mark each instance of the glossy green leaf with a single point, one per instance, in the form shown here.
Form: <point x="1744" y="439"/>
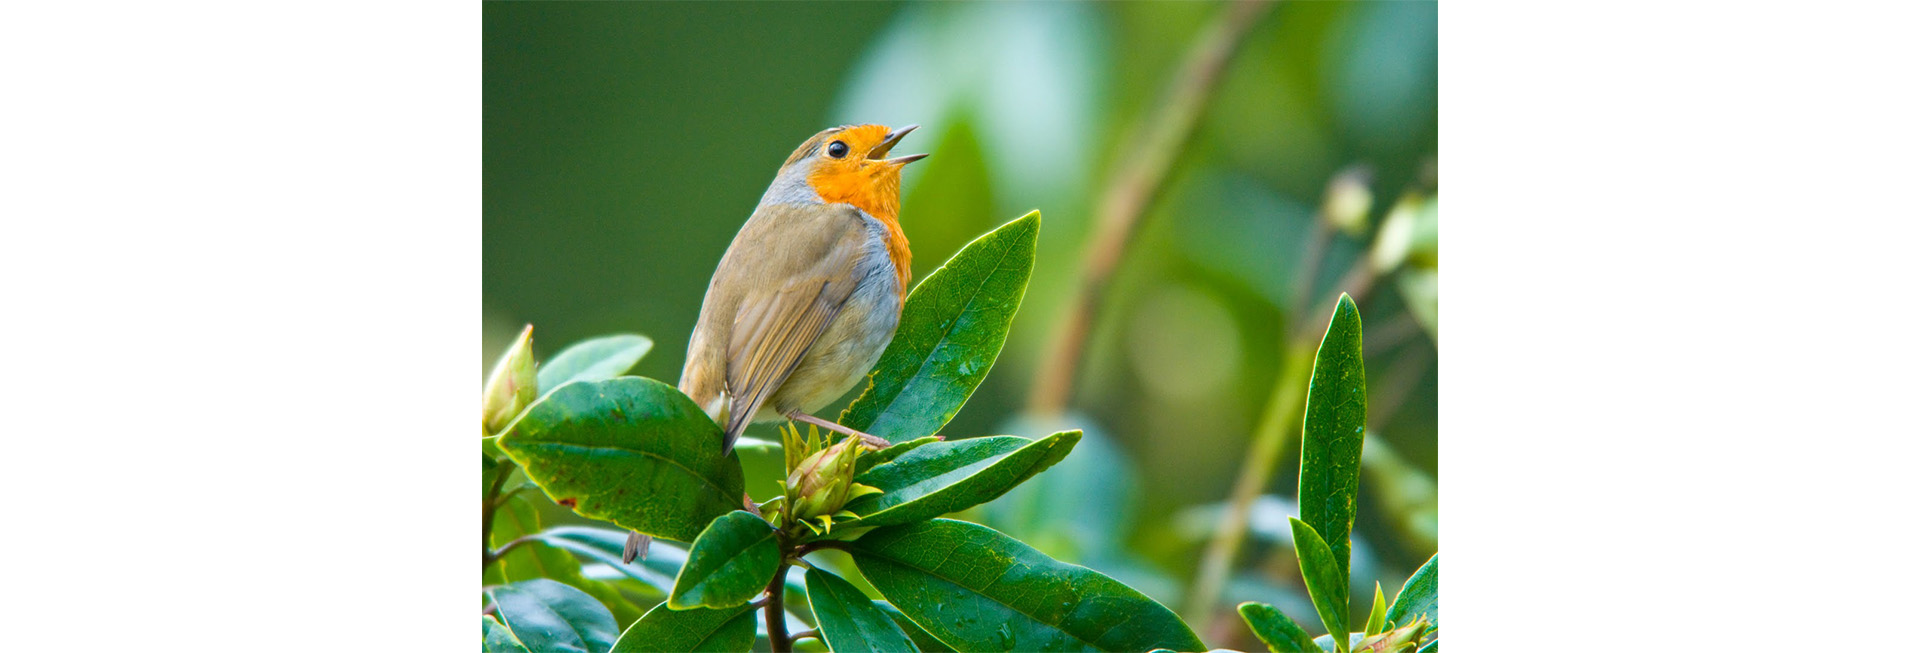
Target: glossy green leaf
<point x="518" y="517"/>
<point x="595" y="359"/>
<point x="944" y="477"/>
<point x="1336" y="419"/>
<point x="1419" y="596"/>
<point x="869" y="459"/>
<point x="732" y="562"/>
<point x="496" y="638"/>
<point x="922" y="639"/>
<point x="1280" y="634"/>
<point x="547" y="615"/>
<point x="1431" y="647"/>
<point x="1325" y="642"/>
<point x="629" y="450"/>
<point x="848" y="620"/>
<point x="978" y="589"/>
<point x="724" y="630"/>
<point x="657" y="570"/>
<point x="605" y="545"/>
<point x="951" y="331"/>
<point x="1377" y="617"/>
<point x="1326" y="583"/>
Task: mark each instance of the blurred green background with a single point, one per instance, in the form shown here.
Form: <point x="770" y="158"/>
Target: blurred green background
<point x="625" y="143"/>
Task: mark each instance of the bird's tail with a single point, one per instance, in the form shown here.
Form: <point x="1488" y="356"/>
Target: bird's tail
<point x="736" y="424"/>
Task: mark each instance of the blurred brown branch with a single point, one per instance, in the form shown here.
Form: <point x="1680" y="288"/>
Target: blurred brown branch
<point x="1164" y="136"/>
<point x="1281" y="416"/>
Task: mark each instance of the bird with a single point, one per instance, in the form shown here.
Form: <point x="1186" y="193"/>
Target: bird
<point x="809" y="293"/>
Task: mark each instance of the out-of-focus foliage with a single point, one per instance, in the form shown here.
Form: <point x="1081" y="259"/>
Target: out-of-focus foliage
<point x="625" y="143"/>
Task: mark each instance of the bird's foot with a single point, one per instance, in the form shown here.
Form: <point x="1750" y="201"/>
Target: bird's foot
<point x="867" y="439"/>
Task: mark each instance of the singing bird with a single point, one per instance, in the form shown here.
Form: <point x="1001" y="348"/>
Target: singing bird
<point x="809" y="293"/>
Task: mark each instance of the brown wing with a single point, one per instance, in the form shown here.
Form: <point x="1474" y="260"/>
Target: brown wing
<point x="803" y="279"/>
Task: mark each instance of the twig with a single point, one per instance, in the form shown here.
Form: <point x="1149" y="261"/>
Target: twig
<point x="1282" y="411"/>
<point x="777" y="612"/>
<point x="1141" y="178"/>
<point x="490" y="504"/>
<point x="495" y="554"/>
<point x="1282" y="416"/>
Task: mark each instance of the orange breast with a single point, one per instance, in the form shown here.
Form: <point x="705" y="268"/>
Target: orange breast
<point x="878" y="193"/>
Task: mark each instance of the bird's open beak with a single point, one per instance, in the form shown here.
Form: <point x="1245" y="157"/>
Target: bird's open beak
<point x="886" y="145"/>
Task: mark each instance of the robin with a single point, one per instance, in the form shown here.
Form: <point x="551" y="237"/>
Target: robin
<point x="809" y="293"/>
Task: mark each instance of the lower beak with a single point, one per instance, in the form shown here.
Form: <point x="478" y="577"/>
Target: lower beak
<point x="886" y="145"/>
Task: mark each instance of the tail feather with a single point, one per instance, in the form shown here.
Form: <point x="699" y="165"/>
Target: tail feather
<point x="736" y="424"/>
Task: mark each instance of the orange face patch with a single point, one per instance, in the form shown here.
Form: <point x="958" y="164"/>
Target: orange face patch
<point x="853" y="178"/>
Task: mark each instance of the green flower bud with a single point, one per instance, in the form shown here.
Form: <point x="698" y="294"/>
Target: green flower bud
<point x="1404" y="638"/>
<point x="1348" y="200"/>
<point x="820" y="484"/>
<point x="511" y="387"/>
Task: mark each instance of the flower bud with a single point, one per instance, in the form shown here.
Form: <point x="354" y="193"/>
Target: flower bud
<point x="819" y="485"/>
<point x="1348" y="200"/>
<point x="511" y="387"/>
<point x="1410" y="234"/>
<point x="1404" y="638"/>
<point x="822" y="484"/>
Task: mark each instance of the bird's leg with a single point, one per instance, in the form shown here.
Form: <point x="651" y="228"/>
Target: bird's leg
<point x="870" y="440"/>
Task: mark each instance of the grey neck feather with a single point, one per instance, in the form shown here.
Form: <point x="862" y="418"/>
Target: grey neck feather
<point x="790" y="186"/>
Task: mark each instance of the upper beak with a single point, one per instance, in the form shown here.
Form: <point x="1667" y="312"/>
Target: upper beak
<point x="886" y="145"/>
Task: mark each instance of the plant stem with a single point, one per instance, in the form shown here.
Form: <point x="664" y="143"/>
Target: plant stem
<point x="488" y="505"/>
<point x="777" y="612"/>
<point x="1141" y="178"/>
<point x="1282" y="416"/>
<point x="494" y="554"/>
<point x="1283" y="410"/>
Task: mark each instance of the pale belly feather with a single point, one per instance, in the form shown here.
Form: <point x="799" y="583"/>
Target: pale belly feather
<point x="847" y="350"/>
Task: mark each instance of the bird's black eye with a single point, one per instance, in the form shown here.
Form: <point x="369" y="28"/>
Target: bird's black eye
<point x="837" y="149"/>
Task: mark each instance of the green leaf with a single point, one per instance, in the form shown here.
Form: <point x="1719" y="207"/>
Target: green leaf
<point x="1420" y="596"/>
<point x="978" y="589"/>
<point x="732" y="562"/>
<point x="630" y="450"/>
<point x="1325" y="642"/>
<point x="1336" y="418"/>
<point x="606" y="545"/>
<point x="848" y="620"/>
<point x="944" y="477"/>
<point x="1431" y="647"/>
<point x="596" y="359"/>
<point x="496" y="638"/>
<point x="1280" y="634"/>
<point x="547" y="615"/>
<point x="657" y="570"/>
<point x="726" y="630"/>
<point x="872" y="458"/>
<point x="519" y="516"/>
<point x="1377" y="618"/>
<point x="951" y="330"/>
<point x="922" y="639"/>
<point x="1326" y="584"/>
